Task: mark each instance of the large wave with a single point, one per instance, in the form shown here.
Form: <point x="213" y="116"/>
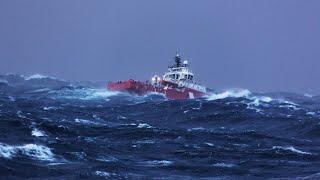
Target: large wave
<point x="55" y="127"/>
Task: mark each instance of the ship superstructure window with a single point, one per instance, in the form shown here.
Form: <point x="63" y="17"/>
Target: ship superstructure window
<point x="177" y="76"/>
<point x="190" y="77"/>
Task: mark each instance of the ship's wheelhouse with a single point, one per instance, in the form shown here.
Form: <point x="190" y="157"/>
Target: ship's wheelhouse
<point x="182" y="76"/>
<point x="179" y="74"/>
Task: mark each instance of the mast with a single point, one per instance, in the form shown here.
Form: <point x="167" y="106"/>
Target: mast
<point x="177" y="59"/>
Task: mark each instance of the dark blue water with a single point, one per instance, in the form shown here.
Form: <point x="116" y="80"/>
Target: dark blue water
<point x="57" y="129"/>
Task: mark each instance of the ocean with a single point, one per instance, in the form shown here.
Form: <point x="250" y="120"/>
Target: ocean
<point x="57" y="129"/>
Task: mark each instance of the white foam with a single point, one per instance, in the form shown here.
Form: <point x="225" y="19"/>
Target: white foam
<point x="290" y="148"/>
<point x="33" y="151"/>
<point x="37" y="152"/>
<point x="197" y="129"/>
<point x="38" y="76"/>
<point x="102" y="93"/>
<point x="224" y="165"/>
<point x="7" y="151"/>
<point x="308" y="95"/>
<point x="154" y="93"/>
<point x="19" y="114"/>
<point x="49" y="108"/>
<point x="40" y="90"/>
<point x="87" y="94"/>
<point x="37" y="133"/>
<point x="121" y="117"/>
<point x="159" y="163"/>
<point x="311" y="113"/>
<point x="258" y="99"/>
<point x="102" y="174"/>
<point x="234" y="93"/>
<point x="84" y="121"/>
<point x="144" y="125"/>
<point x="290" y="106"/>
<point x="255" y="100"/>
<point x="209" y="144"/>
<point x="107" y="159"/>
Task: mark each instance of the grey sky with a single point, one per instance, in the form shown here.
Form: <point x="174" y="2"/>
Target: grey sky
<point x="266" y="45"/>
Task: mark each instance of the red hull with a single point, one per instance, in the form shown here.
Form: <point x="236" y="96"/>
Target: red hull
<point x="171" y="91"/>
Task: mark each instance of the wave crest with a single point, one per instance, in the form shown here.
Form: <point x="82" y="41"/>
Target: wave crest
<point x="39" y="76"/>
<point x="233" y="93"/>
<point x="34" y="151"/>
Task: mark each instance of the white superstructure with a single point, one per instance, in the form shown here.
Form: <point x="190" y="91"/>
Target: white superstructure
<point x="181" y="75"/>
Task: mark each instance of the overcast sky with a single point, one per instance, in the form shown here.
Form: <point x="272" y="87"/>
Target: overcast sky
<point x="266" y="45"/>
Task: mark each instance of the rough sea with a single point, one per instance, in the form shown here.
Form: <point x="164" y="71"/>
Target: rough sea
<point x="56" y="129"/>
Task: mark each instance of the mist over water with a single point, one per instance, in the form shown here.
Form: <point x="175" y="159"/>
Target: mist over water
<point x="61" y="129"/>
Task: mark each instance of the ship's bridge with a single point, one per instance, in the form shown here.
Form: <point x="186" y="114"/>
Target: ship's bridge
<point x="176" y="74"/>
<point x="179" y="71"/>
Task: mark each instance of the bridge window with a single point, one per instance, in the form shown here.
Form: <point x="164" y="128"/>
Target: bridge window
<point x="190" y="77"/>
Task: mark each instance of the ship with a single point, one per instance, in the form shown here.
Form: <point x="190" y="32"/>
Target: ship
<point x="177" y="83"/>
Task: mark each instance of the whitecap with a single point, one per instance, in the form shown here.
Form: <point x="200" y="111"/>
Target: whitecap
<point x="40" y="90"/>
<point x="287" y="102"/>
<point x="37" y="152"/>
<point x="144" y="125"/>
<point x="311" y="113"/>
<point x="308" y="95"/>
<point x="154" y="93"/>
<point x="102" y="174"/>
<point x="234" y="93"/>
<point x="33" y="151"/>
<point x="121" y="117"/>
<point x="38" y="76"/>
<point x="86" y="94"/>
<point x="290" y="106"/>
<point x="84" y="121"/>
<point x="186" y="111"/>
<point x="20" y="115"/>
<point x="291" y="149"/>
<point x="49" y="108"/>
<point x="197" y="129"/>
<point x="106" y="159"/>
<point x="37" y="133"/>
<point x="159" y="163"/>
<point x="209" y="144"/>
<point x="7" y="151"/>
<point x="255" y="101"/>
<point x="56" y="163"/>
<point x="102" y="93"/>
<point x="258" y="99"/>
<point x="224" y="165"/>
